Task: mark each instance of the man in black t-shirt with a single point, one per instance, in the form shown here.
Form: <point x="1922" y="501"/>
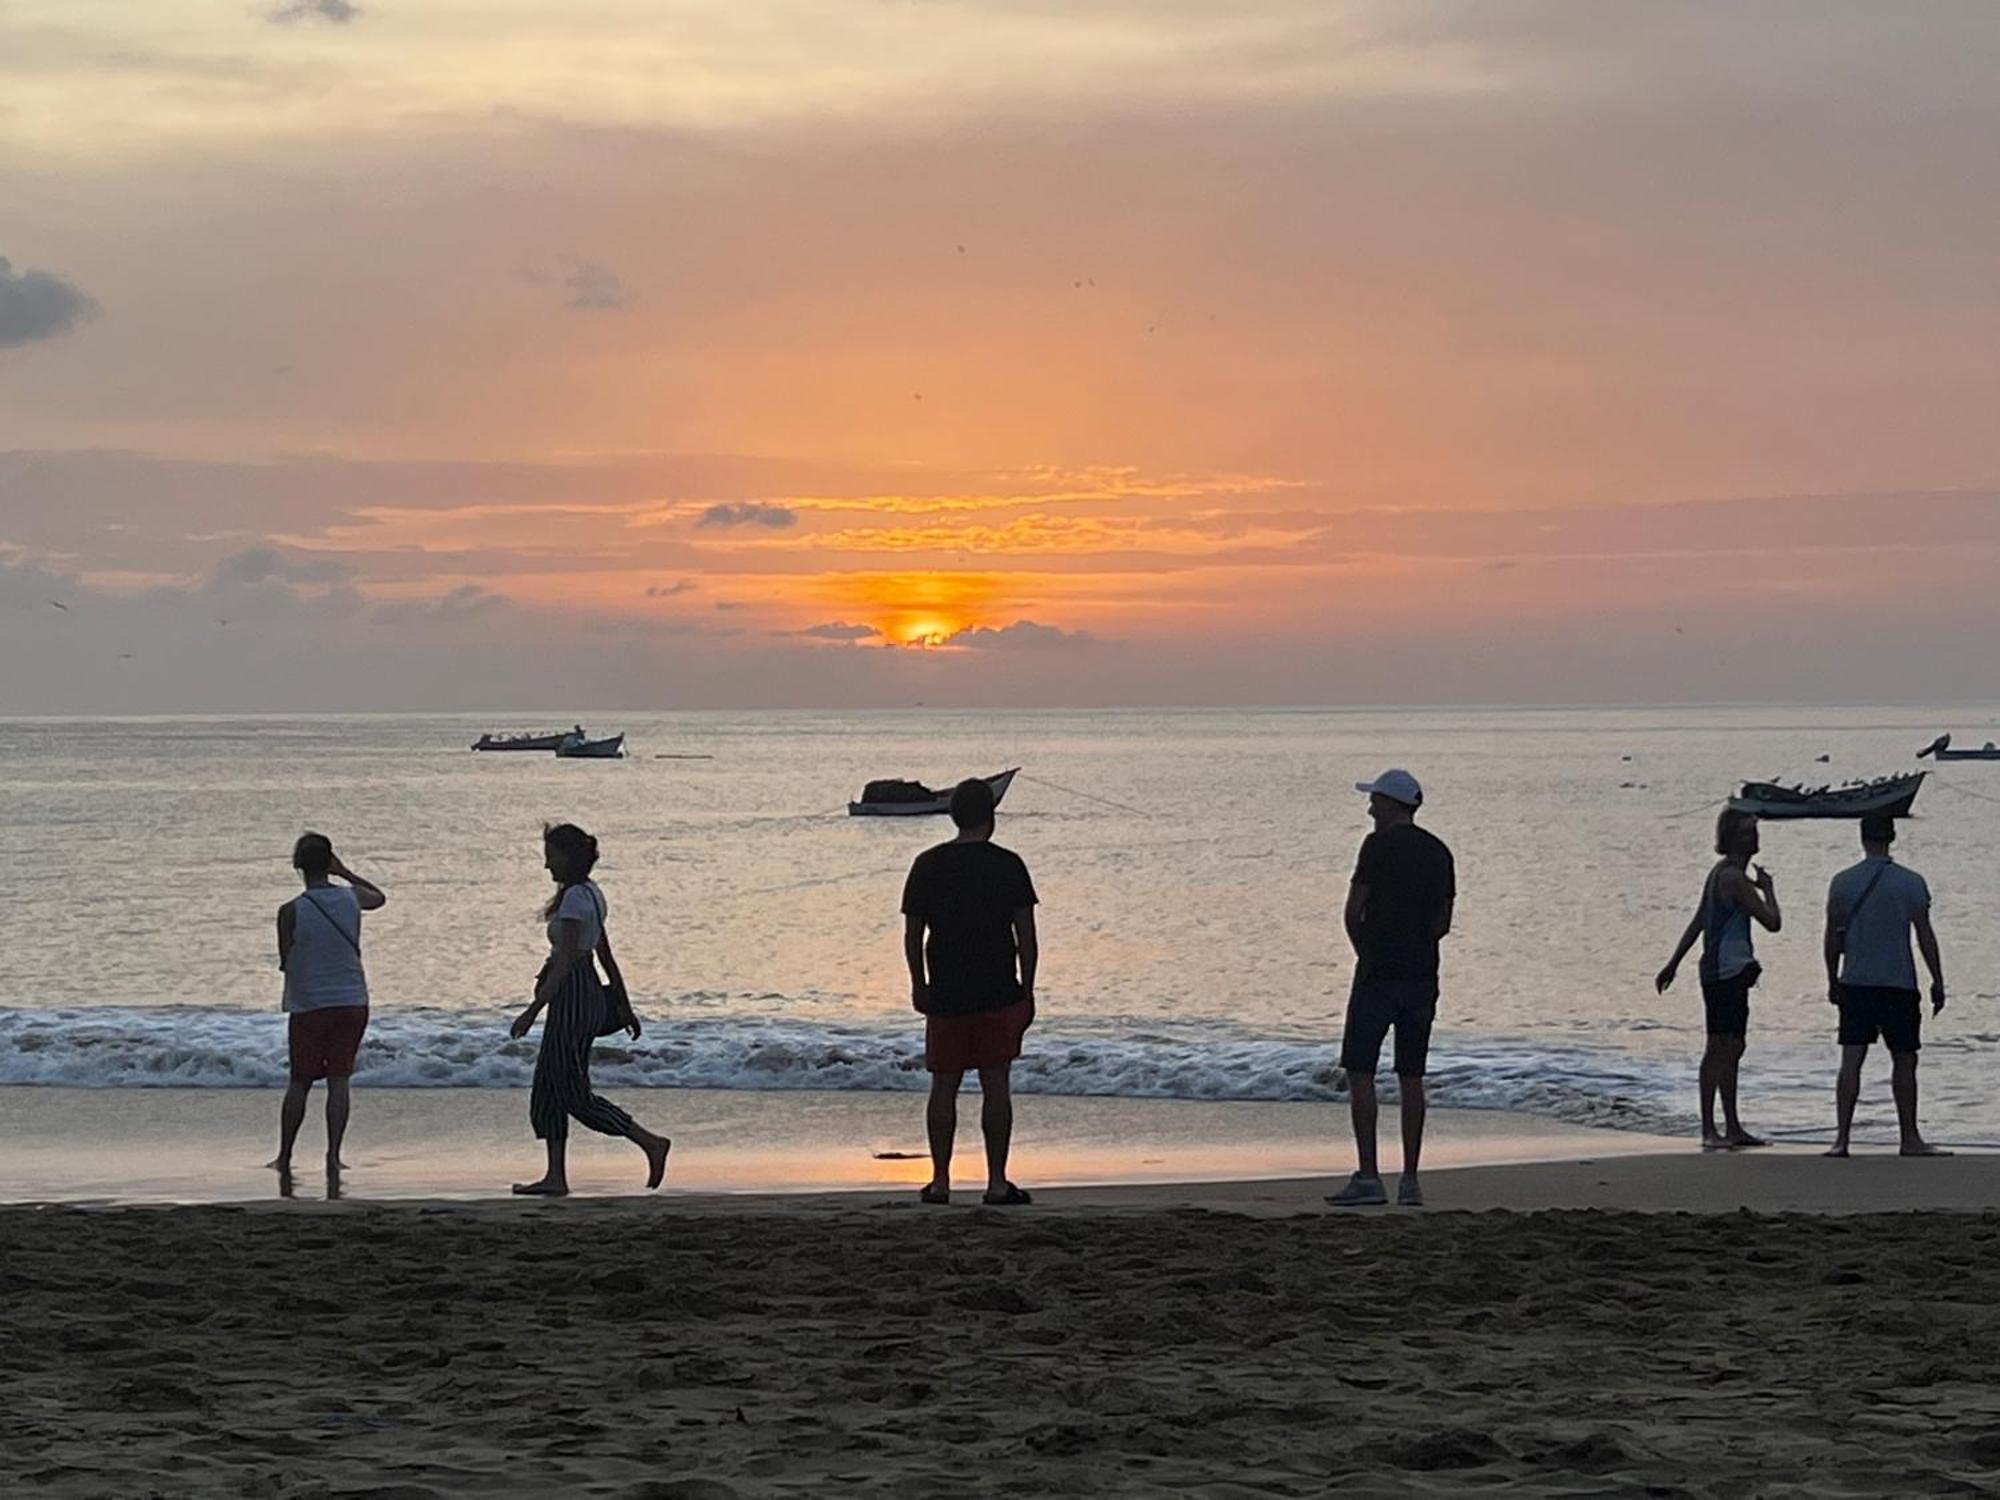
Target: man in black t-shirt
<point x="1398" y="909"/>
<point x="969" y="938"/>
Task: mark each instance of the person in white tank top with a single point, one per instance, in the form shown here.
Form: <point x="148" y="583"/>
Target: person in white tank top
<point x="326" y="993"/>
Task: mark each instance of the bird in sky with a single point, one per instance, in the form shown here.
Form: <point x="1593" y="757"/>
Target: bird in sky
<point x="58" y="604"/>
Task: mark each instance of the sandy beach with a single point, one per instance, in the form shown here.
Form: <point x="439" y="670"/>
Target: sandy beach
<point x="1221" y="1339"/>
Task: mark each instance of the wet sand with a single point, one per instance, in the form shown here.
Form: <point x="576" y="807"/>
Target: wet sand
<point x="1215" y="1340"/>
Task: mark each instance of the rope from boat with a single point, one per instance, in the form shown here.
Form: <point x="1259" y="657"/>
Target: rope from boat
<point x="1708" y="806"/>
<point x="1966" y="791"/>
<point x="1087" y="796"/>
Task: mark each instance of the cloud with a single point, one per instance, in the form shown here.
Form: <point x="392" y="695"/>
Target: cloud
<point x="670" y="590"/>
<point x="37" y="305"/>
<point x="1022" y="635"/>
<point x="749" y="513"/>
<point x="837" y="631"/>
<point x="589" y="287"/>
<point x="467" y="601"/>
<point x="334" y="12"/>
<point x="262" y="565"/>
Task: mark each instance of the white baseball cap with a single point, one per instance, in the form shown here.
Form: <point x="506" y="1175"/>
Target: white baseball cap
<point x="1397" y="786"/>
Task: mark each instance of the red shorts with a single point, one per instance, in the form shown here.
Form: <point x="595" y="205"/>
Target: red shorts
<point x="985" y="1039"/>
<point x="323" y="1042"/>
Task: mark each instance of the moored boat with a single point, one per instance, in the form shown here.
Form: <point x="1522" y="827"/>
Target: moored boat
<point x="490" y="741"/>
<point x="1887" y="797"/>
<point x="912" y="799"/>
<point x="1940" y="749"/>
<point x="576" y="747"/>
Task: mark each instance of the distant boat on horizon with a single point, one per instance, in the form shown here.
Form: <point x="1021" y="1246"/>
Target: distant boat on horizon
<point x="912" y="799"/>
<point x="531" y="741"/>
<point x="1940" y="749"/>
<point x="576" y="747"/>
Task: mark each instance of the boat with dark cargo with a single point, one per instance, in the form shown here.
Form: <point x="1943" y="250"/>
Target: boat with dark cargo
<point x="542" y="742"/>
<point x="912" y="799"/>
<point x="1940" y="749"/>
<point x="1885" y="797"/>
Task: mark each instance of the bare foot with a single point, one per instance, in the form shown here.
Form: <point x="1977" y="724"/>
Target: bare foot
<point x="335" y="1164"/>
<point x="656" y="1160"/>
<point x="1839" y="1149"/>
<point x="1739" y="1138"/>
<point x="279" y="1164"/>
<point x="935" y="1192"/>
<point x="1923" y="1148"/>
<point x="543" y="1189"/>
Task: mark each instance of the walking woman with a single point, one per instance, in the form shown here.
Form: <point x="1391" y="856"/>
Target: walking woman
<point x="1731" y="899"/>
<point x="580" y="1009"/>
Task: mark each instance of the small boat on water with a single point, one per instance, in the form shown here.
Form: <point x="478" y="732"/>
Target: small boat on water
<point x="543" y="742"/>
<point x="912" y="799"/>
<point x="576" y="747"/>
<point x="1940" y="749"/>
<point x="1888" y="797"/>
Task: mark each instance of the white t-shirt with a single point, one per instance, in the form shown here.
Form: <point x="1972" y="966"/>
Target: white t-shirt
<point x="581" y="903"/>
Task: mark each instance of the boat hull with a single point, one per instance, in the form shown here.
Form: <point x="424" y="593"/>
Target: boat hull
<point x="611" y="749"/>
<point x="1881" y="799"/>
<point x="930" y="808"/>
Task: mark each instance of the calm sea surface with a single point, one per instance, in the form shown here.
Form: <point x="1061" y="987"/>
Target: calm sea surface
<point x="1191" y="866"/>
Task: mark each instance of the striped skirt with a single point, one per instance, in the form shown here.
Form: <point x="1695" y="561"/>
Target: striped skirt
<point x="562" y="1068"/>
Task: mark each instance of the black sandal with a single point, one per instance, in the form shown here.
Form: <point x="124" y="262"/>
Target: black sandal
<point x="1008" y="1199"/>
<point x="932" y="1193"/>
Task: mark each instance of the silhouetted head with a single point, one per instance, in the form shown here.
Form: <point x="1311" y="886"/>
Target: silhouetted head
<point x="1878" y="833"/>
<point x="312" y="855"/>
<point x="1393" y="797"/>
<point x="972" y="805"/>
<point x="569" y="854"/>
<point x="1736" y="834"/>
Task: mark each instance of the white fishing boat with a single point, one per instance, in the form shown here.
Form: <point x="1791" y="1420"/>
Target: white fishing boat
<point x="912" y="799"/>
<point x="1887" y="797"/>
<point x="543" y="742"/>
<point x="576" y="747"/>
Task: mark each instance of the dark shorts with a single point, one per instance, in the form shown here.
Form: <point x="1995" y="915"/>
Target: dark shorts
<point x="1868" y="1011"/>
<point x="1727" y="1002"/>
<point x="1375" y="1005"/>
<point x="984" y="1039"/>
<point x="323" y="1042"/>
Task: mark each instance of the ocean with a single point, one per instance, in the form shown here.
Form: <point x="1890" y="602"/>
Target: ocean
<point x="1191" y="866"/>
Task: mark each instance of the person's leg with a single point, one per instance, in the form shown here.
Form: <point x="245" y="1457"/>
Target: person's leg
<point x="595" y="1112"/>
<point x="549" y="1114"/>
<point x="338" y="1104"/>
<point x="1363" y="1112"/>
<point x="1412" y="1089"/>
<point x="1846" y="1093"/>
<point x="1903" y="1083"/>
<point x="941" y="1121"/>
<point x="1711" y="1074"/>
<point x="1733" y="1132"/>
<point x="996" y="1123"/>
<point x="291" y="1115"/>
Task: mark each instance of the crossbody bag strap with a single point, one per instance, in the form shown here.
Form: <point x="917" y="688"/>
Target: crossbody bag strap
<point x="1861" y="901"/>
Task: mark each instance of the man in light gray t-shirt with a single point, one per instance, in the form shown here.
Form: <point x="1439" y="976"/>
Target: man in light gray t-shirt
<point x="1872" y="909"/>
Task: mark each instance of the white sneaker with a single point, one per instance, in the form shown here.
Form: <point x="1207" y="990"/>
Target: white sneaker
<point x="1360" y="1192"/>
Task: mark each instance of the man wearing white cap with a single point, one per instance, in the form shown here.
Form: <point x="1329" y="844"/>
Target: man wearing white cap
<point x="1398" y="909"/>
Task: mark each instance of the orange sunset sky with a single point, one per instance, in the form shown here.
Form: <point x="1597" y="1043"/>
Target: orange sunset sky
<point x="857" y="352"/>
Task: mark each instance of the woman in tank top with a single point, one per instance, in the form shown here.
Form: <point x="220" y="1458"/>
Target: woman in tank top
<point x="1731" y="899"/>
<point x="579" y="1010"/>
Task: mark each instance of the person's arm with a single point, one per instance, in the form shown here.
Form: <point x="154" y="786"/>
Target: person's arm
<point x="1355" y="914"/>
<point x="1832" y="947"/>
<point x="367" y="892"/>
<point x="1441" y="923"/>
<point x="1758" y="897"/>
<point x="1664" y="980"/>
<point x="569" y="948"/>
<point x="1927" y="944"/>
<point x="913" y="955"/>
<point x="1030" y="949"/>
<point x="288" y="926"/>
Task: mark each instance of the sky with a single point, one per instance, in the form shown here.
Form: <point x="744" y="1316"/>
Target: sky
<point x="429" y="354"/>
